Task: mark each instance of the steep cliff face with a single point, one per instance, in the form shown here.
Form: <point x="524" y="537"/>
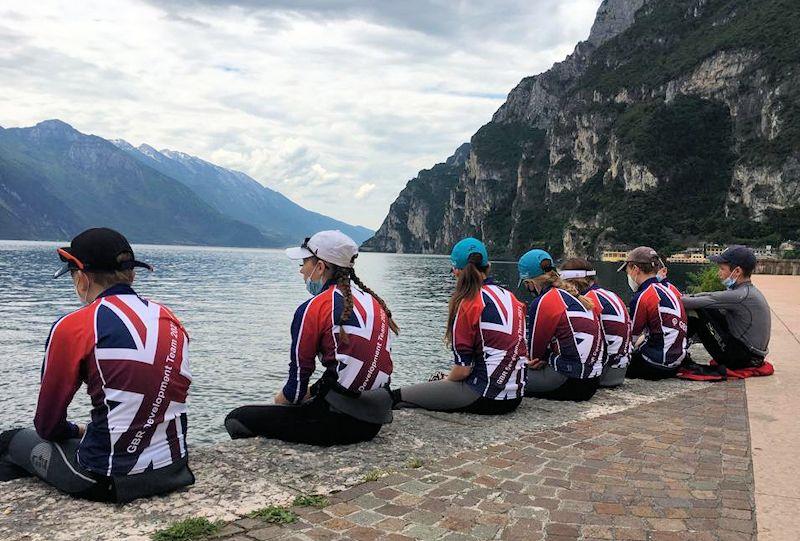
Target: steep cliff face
<point x="417" y="213"/>
<point x="674" y="122"/>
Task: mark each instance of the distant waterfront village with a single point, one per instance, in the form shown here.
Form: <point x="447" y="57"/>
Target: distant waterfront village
<point x="699" y="255"/>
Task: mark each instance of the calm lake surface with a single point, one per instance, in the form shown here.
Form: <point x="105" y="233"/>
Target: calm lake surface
<point x="237" y="305"/>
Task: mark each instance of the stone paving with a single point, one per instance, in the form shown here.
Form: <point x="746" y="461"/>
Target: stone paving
<point x="676" y="469"/>
<point x="237" y="477"/>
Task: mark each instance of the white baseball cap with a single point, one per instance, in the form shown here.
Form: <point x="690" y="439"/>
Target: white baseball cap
<point x="330" y="246"/>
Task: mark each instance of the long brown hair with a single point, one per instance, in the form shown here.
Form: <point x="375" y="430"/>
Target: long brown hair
<point x="552" y="279"/>
<point x="343" y="277"/>
<point x="468" y="285"/>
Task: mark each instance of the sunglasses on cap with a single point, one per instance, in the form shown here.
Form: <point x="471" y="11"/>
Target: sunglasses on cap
<point x="307" y="247"/>
<point x="72" y="264"/>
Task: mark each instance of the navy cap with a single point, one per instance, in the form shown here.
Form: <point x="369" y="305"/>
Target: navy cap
<point x="736" y="256"/>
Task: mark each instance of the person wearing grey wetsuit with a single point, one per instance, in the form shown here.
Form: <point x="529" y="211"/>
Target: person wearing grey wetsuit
<point x="733" y="325"/>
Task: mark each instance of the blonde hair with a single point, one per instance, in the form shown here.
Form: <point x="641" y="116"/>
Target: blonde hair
<point x="108" y="279"/>
<point x="578" y="263"/>
<point x="552" y="279"/>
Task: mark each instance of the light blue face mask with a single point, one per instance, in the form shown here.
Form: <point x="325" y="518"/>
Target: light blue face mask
<point x="314" y="287"/>
<point x="729" y="282"/>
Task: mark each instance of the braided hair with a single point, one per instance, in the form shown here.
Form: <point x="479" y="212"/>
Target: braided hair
<point x="343" y="277"/>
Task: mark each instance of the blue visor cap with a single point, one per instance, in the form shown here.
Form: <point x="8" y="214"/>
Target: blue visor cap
<point x="530" y="264"/>
<point x="466" y="247"/>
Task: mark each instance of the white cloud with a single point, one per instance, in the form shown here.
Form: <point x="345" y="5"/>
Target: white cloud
<point x="314" y="99"/>
<point x="364" y="190"/>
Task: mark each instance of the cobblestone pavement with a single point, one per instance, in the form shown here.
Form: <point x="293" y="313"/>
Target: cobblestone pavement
<point x="675" y="469"/>
<point x="237" y="477"/>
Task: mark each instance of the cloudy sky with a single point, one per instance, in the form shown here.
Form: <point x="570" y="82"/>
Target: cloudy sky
<point x="335" y="103"/>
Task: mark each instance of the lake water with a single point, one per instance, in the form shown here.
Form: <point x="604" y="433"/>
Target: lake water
<point x="237" y="305"/>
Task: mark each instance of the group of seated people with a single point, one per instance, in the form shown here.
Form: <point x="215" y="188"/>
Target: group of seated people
<point x="572" y="338"/>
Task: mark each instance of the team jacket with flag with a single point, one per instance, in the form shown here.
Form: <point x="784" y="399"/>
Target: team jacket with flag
<point x="489" y="335"/>
<point x="361" y="364"/>
<point x="657" y="312"/>
<point x="616" y="324"/>
<point x="132" y="354"/>
<point x="565" y="334"/>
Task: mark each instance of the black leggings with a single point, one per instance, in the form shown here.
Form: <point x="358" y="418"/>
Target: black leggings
<point x="640" y="368"/>
<point x="312" y="422"/>
<point x="711" y="327"/>
<point x="23" y="453"/>
<point x="572" y="390"/>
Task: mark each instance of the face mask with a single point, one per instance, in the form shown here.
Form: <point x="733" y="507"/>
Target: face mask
<point x="729" y="282"/>
<point x="314" y="286"/>
<point x="632" y="284"/>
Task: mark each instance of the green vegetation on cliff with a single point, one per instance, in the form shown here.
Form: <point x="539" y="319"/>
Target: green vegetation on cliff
<point x="671" y="39"/>
<point x="641" y="146"/>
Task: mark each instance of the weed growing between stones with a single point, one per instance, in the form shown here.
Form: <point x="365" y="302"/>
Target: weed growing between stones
<point x="274" y="515"/>
<point x="376" y="474"/>
<point x="187" y="530"/>
<point x="414" y="463"/>
<point x="311" y="500"/>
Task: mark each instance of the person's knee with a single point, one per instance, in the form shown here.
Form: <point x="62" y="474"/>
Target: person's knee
<point x="235" y="426"/>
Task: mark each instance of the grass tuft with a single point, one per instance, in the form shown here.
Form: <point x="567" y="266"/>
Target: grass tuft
<point x="274" y="515"/>
<point x="414" y="463"/>
<point x="187" y="530"/>
<point x="311" y="500"/>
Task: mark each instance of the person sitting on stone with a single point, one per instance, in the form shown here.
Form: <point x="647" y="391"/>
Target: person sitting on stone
<point x="132" y="354"/>
<point x="349" y="328"/>
<point x="658" y="318"/>
<point x="486" y="331"/>
<point x="565" y="337"/>
<point x="733" y="325"/>
<point x="614" y="318"/>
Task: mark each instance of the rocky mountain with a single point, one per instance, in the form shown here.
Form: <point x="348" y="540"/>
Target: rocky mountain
<point x="238" y="196"/>
<point x="56" y="181"/>
<point x="675" y="122"/>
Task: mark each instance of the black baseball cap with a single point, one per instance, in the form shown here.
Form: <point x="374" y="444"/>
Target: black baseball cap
<point x="97" y="250"/>
<point x="736" y="256"/>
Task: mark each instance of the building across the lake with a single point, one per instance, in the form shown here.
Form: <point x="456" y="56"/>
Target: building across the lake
<point x="693" y="256"/>
<point x="613" y="256"/>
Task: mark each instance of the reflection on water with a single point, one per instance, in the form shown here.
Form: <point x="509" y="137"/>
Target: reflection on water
<point x="237" y="305"/>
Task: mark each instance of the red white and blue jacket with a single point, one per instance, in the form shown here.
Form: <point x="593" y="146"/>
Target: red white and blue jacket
<point x="132" y="354"/>
<point x="361" y="364"/>
<point x="615" y="322"/>
<point x="566" y="334"/>
<point x="657" y="312"/>
<point x="489" y="336"/>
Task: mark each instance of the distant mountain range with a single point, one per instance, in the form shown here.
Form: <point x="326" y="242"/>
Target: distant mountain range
<point x="56" y="181"/>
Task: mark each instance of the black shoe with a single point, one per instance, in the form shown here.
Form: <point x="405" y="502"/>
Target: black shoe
<point x="396" y="399"/>
<point x="688" y="363"/>
<point x="9" y="471"/>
